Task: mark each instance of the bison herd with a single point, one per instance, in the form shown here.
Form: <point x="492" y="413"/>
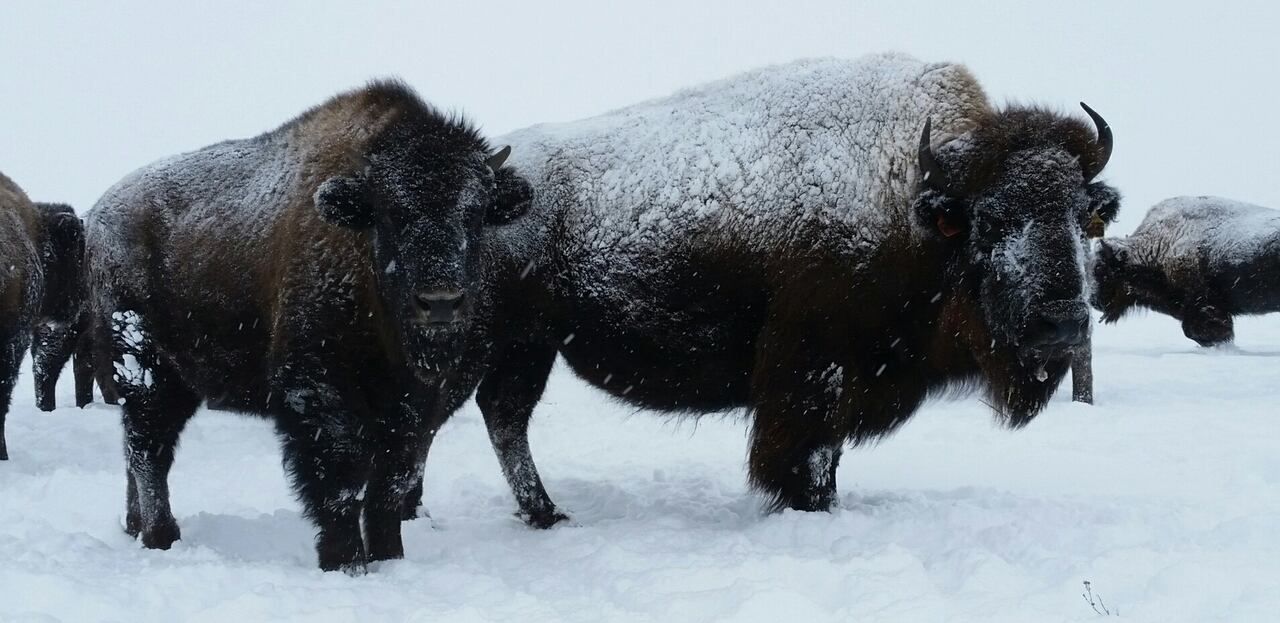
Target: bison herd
<point x="824" y="244"/>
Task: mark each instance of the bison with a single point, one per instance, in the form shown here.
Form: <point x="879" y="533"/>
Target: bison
<point x="41" y="245"/>
<point x="825" y="243"/>
<point x="57" y="343"/>
<point x="1201" y="260"/>
<point x="321" y="275"/>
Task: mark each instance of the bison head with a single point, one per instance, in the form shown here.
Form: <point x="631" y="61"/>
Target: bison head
<point x="61" y="259"/>
<point x="1012" y="199"/>
<point x="425" y="199"/>
<point x="1125" y="280"/>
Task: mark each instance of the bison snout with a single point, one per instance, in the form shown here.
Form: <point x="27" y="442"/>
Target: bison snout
<point x="1061" y="324"/>
<point x="440" y="307"/>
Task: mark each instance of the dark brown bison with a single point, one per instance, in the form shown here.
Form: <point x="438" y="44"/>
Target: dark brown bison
<point x="1201" y="260"/>
<point x="56" y="344"/>
<point x="323" y="275"/>
<point x="40" y="250"/>
<point x="825" y="243"/>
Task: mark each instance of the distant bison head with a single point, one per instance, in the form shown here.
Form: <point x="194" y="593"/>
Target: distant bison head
<point x="1014" y="196"/>
<point x="62" y="260"/>
<point x="425" y="199"/>
<point x="1124" y="282"/>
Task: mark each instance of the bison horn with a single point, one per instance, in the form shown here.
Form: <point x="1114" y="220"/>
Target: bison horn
<point x="933" y="175"/>
<point x="495" y="161"/>
<point x="1104" y="142"/>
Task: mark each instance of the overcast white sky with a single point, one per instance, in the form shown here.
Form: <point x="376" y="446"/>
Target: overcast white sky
<point x="93" y="90"/>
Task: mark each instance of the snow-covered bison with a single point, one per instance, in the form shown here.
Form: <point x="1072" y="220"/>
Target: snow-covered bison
<point x="321" y="275"/>
<point x="825" y="243"/>
<point x="40" y="250"/>
<point x="1201" y="260"/>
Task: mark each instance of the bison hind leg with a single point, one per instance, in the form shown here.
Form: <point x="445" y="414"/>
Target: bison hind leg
<point x="157" y="406"/>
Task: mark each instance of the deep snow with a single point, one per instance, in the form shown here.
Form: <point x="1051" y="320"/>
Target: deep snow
<point x="1165" y="496"/>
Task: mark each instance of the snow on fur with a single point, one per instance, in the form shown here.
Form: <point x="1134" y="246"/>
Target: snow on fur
<point x="754" y="157"/>
<point x="1224" y="231"/>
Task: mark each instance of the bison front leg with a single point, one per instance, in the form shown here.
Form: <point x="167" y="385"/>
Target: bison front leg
<point x="795" y="442"/>
<point x="50" y="351"/>
<point x="327" y="458"/>
<point x="1082" y="373"/>
<point x="10" y="358"/>
<point x="397" y="470"/>
<point x="507" y="396"/>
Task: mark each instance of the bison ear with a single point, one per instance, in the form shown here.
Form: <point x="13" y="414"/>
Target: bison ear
<point x="341" y="201"/>
<point x="513" y="197"/>
<point x="1104" y="201"/>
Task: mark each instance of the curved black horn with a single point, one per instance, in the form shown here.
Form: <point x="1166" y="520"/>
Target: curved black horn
<point x="1104" y="142"/>
<point x="495" y="161"/>
<point x="932" y="173"/>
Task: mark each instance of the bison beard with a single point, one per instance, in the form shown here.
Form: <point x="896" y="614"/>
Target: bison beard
<point x="817" y="278"/>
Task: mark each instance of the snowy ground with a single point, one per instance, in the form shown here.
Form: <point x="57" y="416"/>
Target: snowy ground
<point x="1166" y="496"/>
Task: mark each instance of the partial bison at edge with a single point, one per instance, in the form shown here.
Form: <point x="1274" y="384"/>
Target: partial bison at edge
<point x="1201" y="260"/>
<point x="825" y="243"/>
<point x="40" y="250"/>
<point x="322" y="275"/>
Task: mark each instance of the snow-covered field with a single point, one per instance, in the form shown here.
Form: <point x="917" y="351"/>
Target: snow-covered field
<point x="1165" y="496"/>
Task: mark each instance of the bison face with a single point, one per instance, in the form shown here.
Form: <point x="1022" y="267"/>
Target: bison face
<point x="1113" y="295"/>
<point x="426" y="209"/>
<point x="61" y="259"/>
<point x="1013" y="201"/>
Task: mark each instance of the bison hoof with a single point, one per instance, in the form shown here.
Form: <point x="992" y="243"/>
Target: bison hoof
<point x="409" y="513"/>
<point x="354" y="568"/>
<point x="161" y="537"/>
<point x="543" y="520"/>
<point x="46" y="404"/>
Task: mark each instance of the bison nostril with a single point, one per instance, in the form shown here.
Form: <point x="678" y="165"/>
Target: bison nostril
<point x="439" y="307"/>
<point x="1063" y="323"/>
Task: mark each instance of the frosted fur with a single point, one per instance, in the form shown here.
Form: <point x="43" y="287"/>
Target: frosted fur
<point x="749" y="160"/>
<point x="231" y="190"/>
<point x="1177" y="233"/>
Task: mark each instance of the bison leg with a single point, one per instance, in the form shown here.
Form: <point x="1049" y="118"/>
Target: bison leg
<point x="794" y="452"/>
<point x="412" y="507"/>
<point x="157" y="405"/>
<point x="1082" y="373"/>
<point x="10" y="358"/>
<point x="50" y="351"/>
<point x="397" y="472"/>
<point x="506" y="397"/>
<point x="82" y="365"/>
<point x="327" y="458"/>
<point x="796" y="436"/>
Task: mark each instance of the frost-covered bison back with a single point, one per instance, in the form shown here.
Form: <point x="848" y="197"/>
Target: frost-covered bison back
<point x="323" y="275"/>
<point x="40" y="246"/>
<point x="1201" y="260"/>
<point x="771" y="241"/>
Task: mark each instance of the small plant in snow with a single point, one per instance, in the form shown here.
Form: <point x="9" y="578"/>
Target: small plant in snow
<point x="1095" y="601"/>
